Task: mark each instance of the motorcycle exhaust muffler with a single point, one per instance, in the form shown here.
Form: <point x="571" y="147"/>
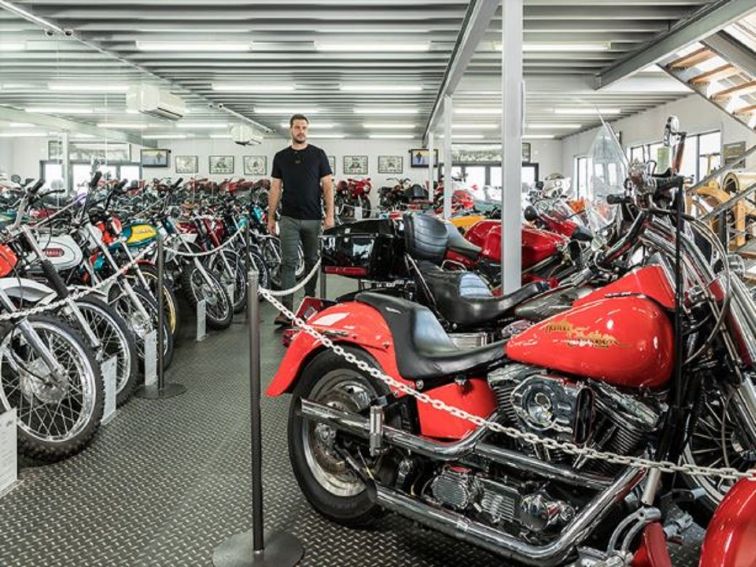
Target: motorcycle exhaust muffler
<point x="359" y="426"/>
<point x="501" y="543"/>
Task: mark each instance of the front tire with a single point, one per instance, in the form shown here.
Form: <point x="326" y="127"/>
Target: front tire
<point x="219" y="312"/>
<point x="325" y="478"/>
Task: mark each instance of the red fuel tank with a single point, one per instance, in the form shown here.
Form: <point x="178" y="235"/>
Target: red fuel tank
<point x="537" y="244"/>
<point x="625" y="341"/>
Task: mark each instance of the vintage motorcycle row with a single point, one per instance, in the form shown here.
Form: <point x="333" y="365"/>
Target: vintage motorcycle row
<point x="79" y="284"/>
<point x="595" y="408"/>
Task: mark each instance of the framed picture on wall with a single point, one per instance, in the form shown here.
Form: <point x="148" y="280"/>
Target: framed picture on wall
<point x="526" y="152"/>
<point x="155" y="158"/>
<point x="390" y="164"/>
<point x="332" y="163"/>
<point x="187" y="164"/>
<point x="221" y="165"/>
<point x="420" y="157"/>
<point x="355" y="165"/>
<point x="255" y="165"/>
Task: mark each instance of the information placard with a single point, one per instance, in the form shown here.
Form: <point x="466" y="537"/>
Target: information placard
<point x="109" y="374"/>
<point x="150" y="359"/>
<point x="8" y="451"/>
<point x="201" y="320"/>
<point x="230" y="290"/>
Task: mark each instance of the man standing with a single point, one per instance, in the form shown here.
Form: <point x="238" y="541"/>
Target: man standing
<point x="302" y="168"/>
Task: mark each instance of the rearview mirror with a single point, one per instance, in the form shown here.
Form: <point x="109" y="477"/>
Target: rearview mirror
<point x="530" y="213"/>
<point x="671" y="129"/>
<point x="16" y="179"/>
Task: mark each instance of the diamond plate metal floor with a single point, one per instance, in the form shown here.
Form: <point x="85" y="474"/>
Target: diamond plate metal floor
<point x="167" y="481"/>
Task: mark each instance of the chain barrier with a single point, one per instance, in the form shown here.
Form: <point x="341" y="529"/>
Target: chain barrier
<point x="226" y="244"/>
<point x="79" y="294"/>
<point x="300" y="285"/>
<point x="530" y="438"/>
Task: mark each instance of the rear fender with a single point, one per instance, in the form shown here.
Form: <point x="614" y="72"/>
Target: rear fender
<point x="350" y="323"/>
<point x="730" y="539"/>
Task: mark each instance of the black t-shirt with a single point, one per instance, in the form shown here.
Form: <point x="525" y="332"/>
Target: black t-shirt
<point x="301" y="172"/>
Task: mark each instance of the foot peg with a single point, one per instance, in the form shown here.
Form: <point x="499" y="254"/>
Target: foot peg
<point x="376" y="430"/>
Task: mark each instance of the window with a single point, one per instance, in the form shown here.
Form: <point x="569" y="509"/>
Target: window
<point x="701" y="156"/>
<point x="476" y="176"/>
<point x="581" y="174"/>
<point x="81" y="172"/>
<point x="130" y="172"/>
<point x="638" y="153"/>
<point x="709" y="153"/>
<point x="52" y="171"/>
<point x="490" y="175"/>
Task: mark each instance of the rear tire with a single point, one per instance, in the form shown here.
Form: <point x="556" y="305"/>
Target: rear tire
<point x="324" y="478"/>
<point x="219" y="312"/>
<point x="170" y="302"/>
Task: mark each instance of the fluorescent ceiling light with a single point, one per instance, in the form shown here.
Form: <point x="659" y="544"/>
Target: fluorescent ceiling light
<point x="58" y="110"/>
<point x="540" y="47"/>
<point x="252" y="88"/>
<point x="165" y="136"/>
<point x="326" y="135"/>
<point x="374" y="31"/>
<point x="465" y="136"/>
<point x="385" y="88"/>
<point x="388" y="126"/>
<point x="202" y="125"/>
<point x="538" y="136"/>
<point x="316" y="125"/>
<point x="20" y="125"/>
<point x="386" y="47"/>
<point x="15" y="46"/>
<point x="192" y="46"/>
<point x="387" y="136"/>
<point x="124" y="125"/>
<point x="383" y="110"/>
<point x="487" y="93"/>
<point x="555" y="126"/>
<point x="466" y="126"/>
<point x="220" y="136"/>
<point x="23" y="134"/>
<point x="587" y="110"/>
<point x="87" y="87"/>
<point x="482" y="111"/>
<point x="17" y="86"/>
<point x="284" y="110"/>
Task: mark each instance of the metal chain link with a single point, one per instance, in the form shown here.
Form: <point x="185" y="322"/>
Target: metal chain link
<point x="531" y="438"/>
<point x="79" y="294"/>
<point x="208" y="252"/>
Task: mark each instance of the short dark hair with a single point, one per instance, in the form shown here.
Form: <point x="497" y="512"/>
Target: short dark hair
<point x="298" y="117"/>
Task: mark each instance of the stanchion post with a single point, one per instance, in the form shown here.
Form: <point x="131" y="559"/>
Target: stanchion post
<point x="163" y="390"/>
<point x="249" y="549"/>
<point x="323" y="284"/>
<point x="248" y="260"/>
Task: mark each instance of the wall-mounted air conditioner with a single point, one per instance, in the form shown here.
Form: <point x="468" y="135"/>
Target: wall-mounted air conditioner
<point x="150" y="99"/>
<point x="245" y="135"/>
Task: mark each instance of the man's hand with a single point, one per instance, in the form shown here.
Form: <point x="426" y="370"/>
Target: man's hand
<point x="329" y="222"/>
<point x="272" y="226"/>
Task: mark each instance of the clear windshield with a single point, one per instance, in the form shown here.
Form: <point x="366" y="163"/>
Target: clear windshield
<point x="607" y="170"/>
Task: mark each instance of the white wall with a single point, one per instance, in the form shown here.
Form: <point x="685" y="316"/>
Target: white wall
<point x="696" y="115"/>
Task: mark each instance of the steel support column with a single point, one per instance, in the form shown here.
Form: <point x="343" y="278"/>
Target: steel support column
<point x="448" y="184"/>
<point x="65" y="162"/>
<point x="431" y="164"/>
<point x="511" y="142"/>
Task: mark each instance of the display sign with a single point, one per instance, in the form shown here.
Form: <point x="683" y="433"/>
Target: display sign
<point x="8" y="451"/>
<point x="150" y="359"/>
<point x="732" y="152"/>
<point x="109" y="371"/>
<point x="230" y="291"/>
<point x="201" y="320"/>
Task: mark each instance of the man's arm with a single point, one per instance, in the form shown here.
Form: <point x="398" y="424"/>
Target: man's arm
<point x="327" y="182"/>
<point x="274" y="196"/>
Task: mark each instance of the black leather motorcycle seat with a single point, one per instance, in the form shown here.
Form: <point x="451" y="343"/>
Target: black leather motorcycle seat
<point x="425" y="237"/>
<point x="423" y="349"/>
<point x="463" y="298"/>
<point x="459" y="244"/>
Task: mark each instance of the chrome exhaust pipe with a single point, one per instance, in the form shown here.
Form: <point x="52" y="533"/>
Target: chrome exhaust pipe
<point x="501" y="543"/>
<point x="471" y="445"/>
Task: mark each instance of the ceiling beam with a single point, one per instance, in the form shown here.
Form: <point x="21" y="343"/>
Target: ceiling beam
<point x="731" y="50"/>
<point x="12" y="115"/>
<point x="53" y="27"/>
<point x="701" y="24"/>
<point x="474" y="26"/>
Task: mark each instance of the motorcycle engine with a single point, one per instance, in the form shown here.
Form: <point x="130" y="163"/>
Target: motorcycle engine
<point x="579" y="412"/>
<point x="497" y="502"/>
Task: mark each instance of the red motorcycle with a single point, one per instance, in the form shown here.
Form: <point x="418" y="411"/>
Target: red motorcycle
<point x="350" y="194"/>
<point x="521" y="446"/>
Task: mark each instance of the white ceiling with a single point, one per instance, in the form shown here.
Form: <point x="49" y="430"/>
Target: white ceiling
<point x="283" y="43"/>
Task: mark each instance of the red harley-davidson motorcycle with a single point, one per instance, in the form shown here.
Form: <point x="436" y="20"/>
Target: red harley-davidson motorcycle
<point x="632" y="369"/>
<point x="353" y="193"/>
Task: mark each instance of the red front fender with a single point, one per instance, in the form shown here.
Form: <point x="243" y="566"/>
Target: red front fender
<point x="731" y="536"/>
<point x="352" y="322"/>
